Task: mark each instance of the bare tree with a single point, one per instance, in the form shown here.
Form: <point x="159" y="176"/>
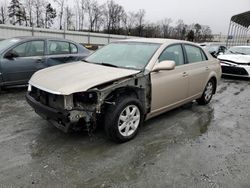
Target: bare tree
<point x="94" y="12"/>
<point x="69" y="17"/>
<point x="98" y="17"/>
<point x="29" y="6"/>
<point x="180" y="29"/>
<point x="82" y="8"/>
<point x="197" y="28"/>
<point x="80" y="13"/>
<point x="113" y="16"/>
<point x="61" y="4"/>
<point x="206" y="33"/>
<point x="3" y="13"/>
<point x="77" y="14"/>
<point x="165" y="27"/>
<point x="140" y="17"/>
<point x="128" y="20"/>
<point x="39" y="7"/>
<point x="89" y="6"/>
<point x="24" y="16"/>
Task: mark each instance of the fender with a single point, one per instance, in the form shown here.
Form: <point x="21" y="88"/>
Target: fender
<point x="213" y="75"/>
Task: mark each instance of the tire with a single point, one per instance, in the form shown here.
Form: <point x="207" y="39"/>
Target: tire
<point x="208" y="93"/>
<point x="123" y="119"/>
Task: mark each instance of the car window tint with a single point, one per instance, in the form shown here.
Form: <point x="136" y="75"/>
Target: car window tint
<point x="32" y="48"/>
<point x="73" y="48"/>
<point x="58" y="47"/>
<point x="21" y="49"/>
<point x="36" y="48"/>
<point x="194" y="54"/>
<point x="173" y="53"/>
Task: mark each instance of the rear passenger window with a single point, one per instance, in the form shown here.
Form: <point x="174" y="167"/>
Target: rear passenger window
<point x="173" y="53"/>
<point x="58" y="47"/>
<point x="73" y="48"/>
<point x="194" y="54"/>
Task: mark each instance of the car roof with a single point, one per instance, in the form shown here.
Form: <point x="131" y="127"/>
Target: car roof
<point x="41" y="37"/>
<point x="156" y="40"/>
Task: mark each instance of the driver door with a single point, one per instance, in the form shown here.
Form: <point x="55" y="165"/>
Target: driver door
<point x="30" y="58"/>
<point x="170" y="87"/>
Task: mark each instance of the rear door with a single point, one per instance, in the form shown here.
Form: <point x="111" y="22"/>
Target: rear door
<point x="197" y="68"/>
<point x="61" y="52"/>
<point x="30" y="58"/>
<point x="169" y="87"/>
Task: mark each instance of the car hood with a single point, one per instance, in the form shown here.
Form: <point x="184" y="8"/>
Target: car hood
<point x="237" y="58"/>
<point x="76" y="77"/>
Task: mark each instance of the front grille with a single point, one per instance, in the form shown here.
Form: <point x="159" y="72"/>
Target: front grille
<point x="234" y="70"/>
<point x="48" y="99"/>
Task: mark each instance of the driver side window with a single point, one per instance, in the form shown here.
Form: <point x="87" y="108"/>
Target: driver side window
<point x="173" y="53"/>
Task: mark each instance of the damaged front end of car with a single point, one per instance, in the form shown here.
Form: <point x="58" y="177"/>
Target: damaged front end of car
<point x="82" y="110"/>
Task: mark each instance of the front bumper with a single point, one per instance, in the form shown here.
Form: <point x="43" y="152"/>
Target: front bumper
<point x="59" y="118"/>
<point x="235" y="70"/>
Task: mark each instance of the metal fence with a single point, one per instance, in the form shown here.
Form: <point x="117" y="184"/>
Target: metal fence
<point x="8" y="31"/>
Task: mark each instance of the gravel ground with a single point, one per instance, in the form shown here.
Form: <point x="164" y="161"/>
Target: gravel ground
<point x="192" y="146"/>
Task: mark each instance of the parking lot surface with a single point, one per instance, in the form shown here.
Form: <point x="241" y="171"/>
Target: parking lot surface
<point x="192" y="146"/>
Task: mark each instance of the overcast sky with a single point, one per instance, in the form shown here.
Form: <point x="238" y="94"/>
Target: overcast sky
<point x="215" y="13"/>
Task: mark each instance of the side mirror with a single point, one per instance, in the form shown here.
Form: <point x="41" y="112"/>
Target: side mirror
<point x="11" y="55"/>
<point x="164" y="65"/>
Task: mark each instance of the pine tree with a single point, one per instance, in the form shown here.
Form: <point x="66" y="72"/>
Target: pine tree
<point x="15" y="11"/>
<point x="50" y="14"/>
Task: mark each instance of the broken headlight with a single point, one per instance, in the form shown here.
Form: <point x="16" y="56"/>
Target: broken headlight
<point x="85" y="97"/>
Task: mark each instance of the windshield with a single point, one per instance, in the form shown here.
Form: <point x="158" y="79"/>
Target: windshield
<point x="238" y="50"/>
<point x="132" y="55"/>
<point x="7" y="43"/>
<point x="212" y="48"/>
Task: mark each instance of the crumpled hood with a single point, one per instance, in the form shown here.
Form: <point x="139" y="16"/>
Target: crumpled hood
<point x="75" y="77"/>
<point x="237" y="58"/>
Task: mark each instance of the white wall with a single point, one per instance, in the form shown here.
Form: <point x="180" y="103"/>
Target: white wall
<point x="8" y="31"/>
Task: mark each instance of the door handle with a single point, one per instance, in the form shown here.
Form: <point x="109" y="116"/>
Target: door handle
<point x="184" y="74"/>
<point x="207" y="69"/>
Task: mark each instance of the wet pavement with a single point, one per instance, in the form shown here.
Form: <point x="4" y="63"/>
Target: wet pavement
<point x="192" y="146"/>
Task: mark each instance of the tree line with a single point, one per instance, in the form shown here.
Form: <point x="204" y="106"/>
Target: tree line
<point x="89" y="15"/>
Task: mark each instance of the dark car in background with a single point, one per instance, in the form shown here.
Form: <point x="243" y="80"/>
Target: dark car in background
<point x="20" y="57"/>
<point x="215" y="50"/>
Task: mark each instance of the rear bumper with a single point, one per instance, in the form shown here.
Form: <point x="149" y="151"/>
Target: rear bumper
<point x="59" y="118"/>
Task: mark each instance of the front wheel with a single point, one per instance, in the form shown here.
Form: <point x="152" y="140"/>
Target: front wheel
<point x="123" y="119"/>
<point x="208" y="93"/>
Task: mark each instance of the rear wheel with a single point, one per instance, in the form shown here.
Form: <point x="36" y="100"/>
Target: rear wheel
<point x="208" y="93"/>
<point x="123" y="119"/>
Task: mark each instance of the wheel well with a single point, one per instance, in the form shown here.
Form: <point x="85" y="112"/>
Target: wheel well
<point x="215" y="81"/>
<point x="124" y="91"/>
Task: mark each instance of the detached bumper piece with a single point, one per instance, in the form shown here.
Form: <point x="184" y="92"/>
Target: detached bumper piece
<point x="233" y="70"/>
<point x="59" y="118"/>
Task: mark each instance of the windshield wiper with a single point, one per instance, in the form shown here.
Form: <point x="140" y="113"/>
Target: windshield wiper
<point x="84" y="60"/>
<point x="237" y="52"/>
<point x="108" y="64"/>
<point x="240" y="53"/>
